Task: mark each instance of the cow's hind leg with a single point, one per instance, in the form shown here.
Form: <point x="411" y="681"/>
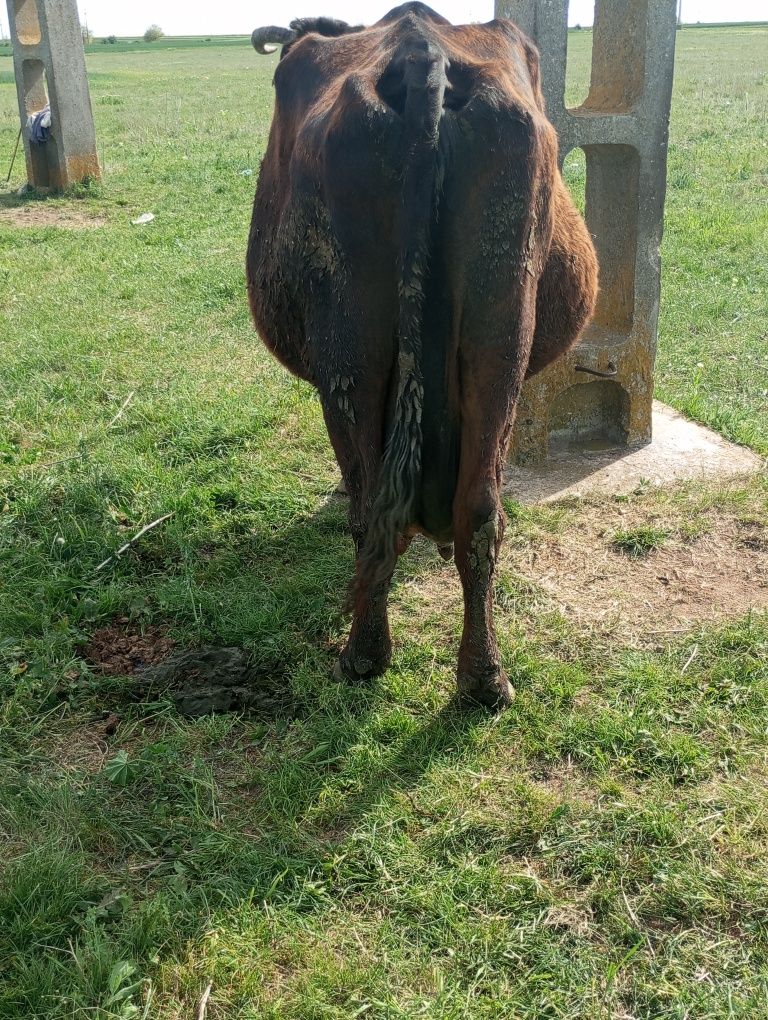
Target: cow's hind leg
<point x="487" y="402"/>
<point x="368" y="650"/>
<point x="357" y="445"/>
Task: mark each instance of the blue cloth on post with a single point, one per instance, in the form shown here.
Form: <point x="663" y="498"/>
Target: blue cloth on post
<point x="39" y="125"/>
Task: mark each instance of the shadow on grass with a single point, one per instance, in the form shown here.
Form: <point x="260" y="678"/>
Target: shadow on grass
<point x="317" y="749"/>
<point x="194" y="820"/>
<point x="277" y="590"/>
<point x="27" y="195"/>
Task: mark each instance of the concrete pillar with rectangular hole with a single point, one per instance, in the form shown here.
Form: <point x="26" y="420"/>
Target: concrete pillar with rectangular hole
<point x="49" y="65"/>
<point x="622" y="126"/>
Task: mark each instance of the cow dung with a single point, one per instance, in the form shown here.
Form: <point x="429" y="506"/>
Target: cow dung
<point x="209" y="679"/>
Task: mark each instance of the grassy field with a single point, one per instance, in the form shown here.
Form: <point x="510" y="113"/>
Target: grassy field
<point x="599" y="851"/>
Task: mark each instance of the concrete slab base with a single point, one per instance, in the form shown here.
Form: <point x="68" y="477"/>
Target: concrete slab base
<point x="680" y="450"/>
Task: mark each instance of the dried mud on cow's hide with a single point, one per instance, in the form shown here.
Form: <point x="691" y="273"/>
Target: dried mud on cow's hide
<point x="199" y="681"/>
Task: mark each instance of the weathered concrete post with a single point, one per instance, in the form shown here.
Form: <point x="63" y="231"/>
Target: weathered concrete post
<point x="622" y="127"/>
<point x="49" y="65"/>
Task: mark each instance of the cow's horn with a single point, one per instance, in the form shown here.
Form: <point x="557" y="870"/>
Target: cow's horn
<point x="262" y="37"/>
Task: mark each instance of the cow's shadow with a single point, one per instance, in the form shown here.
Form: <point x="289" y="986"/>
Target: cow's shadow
<point x="249" y="811"/>
<point x="297" y="795"/>
<point x="337" y="751"/>
<point x="281" y="591"/>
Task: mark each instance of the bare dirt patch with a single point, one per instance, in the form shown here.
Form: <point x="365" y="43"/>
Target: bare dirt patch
<point x="686" y="582"/>
<point x="117" y="650"/>
<point x="40" y="214"/>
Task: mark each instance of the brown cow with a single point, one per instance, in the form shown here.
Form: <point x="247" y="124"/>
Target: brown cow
<point x="414" y="254"/>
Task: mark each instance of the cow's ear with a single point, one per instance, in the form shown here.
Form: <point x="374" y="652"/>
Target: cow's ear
<point x="323" y="26"/>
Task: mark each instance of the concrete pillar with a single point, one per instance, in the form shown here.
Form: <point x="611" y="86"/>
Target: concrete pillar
<point x="622" y="127"/>
<point x="49" y="65"/>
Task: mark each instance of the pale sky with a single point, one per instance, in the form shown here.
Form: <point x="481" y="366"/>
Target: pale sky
<point x="230" y="17"/>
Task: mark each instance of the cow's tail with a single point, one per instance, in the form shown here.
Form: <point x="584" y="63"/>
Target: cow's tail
<point x="417" y="79"/>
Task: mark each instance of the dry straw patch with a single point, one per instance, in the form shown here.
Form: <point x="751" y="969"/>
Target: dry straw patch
<point x="79" y="749"/>
<point x="686" y="582"/>
<point x="40" y="214"/>
<point x="710" y="565"/>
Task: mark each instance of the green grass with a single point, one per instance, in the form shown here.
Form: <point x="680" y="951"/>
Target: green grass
<point x="640" y="541"/>
<point x="597" y="851"/>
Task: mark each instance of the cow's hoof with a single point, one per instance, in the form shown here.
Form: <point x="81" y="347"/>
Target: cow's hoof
<point x="494" y="692"/>
<point x="357" y="668"/>
<point x="446" y="551"/>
